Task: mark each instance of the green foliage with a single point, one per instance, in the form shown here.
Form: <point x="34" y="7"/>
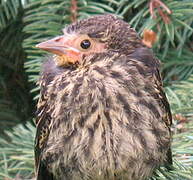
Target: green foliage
<point x="24" y="23"/>
<point x="15" y="101"/>
<point x="16" y="153"/>
<point x="8" y="12"/>
<point x="176" y="68"/>
<point x="180" y="96"/>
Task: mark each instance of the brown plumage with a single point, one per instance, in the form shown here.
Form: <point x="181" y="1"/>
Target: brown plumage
<point x="102" y="112"/>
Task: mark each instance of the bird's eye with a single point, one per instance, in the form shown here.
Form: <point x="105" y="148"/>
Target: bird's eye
<point x="85" y="44"/>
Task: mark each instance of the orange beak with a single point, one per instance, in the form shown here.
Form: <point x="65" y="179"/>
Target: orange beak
<point x="61" y="47"/>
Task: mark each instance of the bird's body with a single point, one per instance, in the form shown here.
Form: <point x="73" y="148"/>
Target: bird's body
<point x="105" y="118"/>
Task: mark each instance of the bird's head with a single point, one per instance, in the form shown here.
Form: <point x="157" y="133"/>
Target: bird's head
<point x="95" y="35"/>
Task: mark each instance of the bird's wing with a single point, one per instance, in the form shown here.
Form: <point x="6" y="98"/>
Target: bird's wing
<point x="145" y="56"/>
<point x="42" y="126"/>
<point x="43" y="119"/>
<point x="167" y="116"/>
<point x="163" y="99"/>
<point x="42" y="132"/>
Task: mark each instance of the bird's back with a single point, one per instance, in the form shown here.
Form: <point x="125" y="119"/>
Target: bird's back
<point x="105" y="121"/>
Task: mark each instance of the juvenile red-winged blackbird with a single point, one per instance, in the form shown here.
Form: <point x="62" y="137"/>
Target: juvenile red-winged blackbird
<point x="102" y="112"/>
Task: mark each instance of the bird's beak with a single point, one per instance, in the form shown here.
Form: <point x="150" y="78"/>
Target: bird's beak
<point x="62" y="47"/>
<point x="59" y="46"/>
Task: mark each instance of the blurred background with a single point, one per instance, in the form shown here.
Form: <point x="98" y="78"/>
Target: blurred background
<point x="166" y="25"/>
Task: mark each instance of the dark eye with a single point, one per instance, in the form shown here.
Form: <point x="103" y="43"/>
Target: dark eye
<point x="85" y="44"/>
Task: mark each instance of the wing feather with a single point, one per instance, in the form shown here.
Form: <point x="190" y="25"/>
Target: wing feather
<point x="146" y="57"/>
<point x="43" y="119"/>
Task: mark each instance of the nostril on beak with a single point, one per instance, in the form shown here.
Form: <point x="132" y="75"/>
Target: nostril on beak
<point x="58" y="39"/>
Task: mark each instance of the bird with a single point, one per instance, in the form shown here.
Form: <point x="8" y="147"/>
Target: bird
<point x="102" y="113"/>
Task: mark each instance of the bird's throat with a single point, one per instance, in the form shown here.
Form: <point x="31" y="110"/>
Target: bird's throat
<point x="65" y="60"/>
